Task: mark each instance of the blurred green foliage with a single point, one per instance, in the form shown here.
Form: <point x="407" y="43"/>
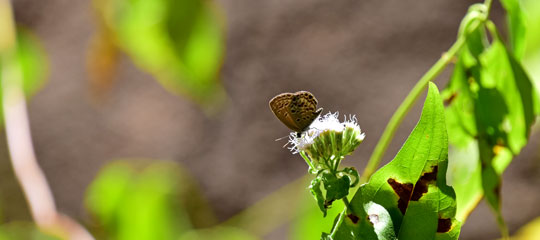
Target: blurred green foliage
<point x="516" y="22"/>
<point x="531" y="11"/>
<point x="310" y="222"/>
<point x="218" y="233"/>
<point x="29" y="61"/>
<point x="23" y="231"/>
<point x="151" y="200"/>
<point x="180" y="43"/>
<point x="531" y="61"/>
<point x="138" y="204"/>
<point x="531" y="231"/>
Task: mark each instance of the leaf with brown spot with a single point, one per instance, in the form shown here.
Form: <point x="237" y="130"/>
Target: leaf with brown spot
<point x="412" y="187"/>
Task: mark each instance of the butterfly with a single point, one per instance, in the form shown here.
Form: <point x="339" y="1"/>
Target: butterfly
<point x="296" y="110"/>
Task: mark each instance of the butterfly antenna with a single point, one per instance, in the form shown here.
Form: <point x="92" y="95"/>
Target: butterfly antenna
<point x="281" y="138"/>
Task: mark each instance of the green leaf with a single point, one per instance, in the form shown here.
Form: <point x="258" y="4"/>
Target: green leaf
<point x="411" y="188"/>
<point x="139" y="202"/>
<point x="179" y="42"/>
<point x="315" y="189"/>
<point x="351" y="171"/>
<point x="515" y="17"/>
<point x="336" y="188"/>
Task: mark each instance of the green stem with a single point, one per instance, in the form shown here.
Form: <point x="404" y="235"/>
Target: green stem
<point x="409" y="101"/>
<point x="406" y="106"/>
<point x="347" y="205"/>
<point x="308" y="161"/>
<point x="488" y="4"/>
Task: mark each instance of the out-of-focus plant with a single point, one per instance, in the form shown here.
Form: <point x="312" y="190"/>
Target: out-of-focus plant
<point x="30" y="59"/>
<point x="531" y="58"/>
<point x="138" y="205"/>
<point x="21" y="73"/>
<point x="151" y="200"/>
<point x="531" y="231"/>
<point x="23" y="230"/>
<point x="179" y="42"/>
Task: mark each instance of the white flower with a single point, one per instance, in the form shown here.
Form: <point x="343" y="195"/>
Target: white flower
<point x="328" y="140"/>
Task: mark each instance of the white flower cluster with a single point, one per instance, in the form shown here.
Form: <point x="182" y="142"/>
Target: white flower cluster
<point x="328" y="139"/>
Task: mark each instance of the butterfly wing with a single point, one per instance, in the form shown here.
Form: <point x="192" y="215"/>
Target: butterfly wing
<point x="303" y="109"/>
<point x="280" y="106"/>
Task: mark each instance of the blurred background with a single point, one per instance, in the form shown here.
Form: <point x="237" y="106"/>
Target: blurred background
<point x="101" y="102"/>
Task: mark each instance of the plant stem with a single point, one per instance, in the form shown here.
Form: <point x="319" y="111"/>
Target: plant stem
<point x="308" y="161"/>
<point x="406" y="106"/>
<point x="347" y="205"/>
<point x="410" y="100"/>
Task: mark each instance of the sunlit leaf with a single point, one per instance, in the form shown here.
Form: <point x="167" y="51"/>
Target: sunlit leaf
<point x="179" y="42"/>
<point x="411" y="188"/>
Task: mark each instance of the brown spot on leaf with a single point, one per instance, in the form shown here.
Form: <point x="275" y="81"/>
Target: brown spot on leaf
<point x="421" y="185"/>
<point x="444" y="225"/>
<point x="497" y="190"/>
<point x="403" y="190"/>
<point x="450" y="99"/>
<point x="353" y="218"/>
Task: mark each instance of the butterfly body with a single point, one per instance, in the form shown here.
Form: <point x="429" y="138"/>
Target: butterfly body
<point x="296" y="110"/>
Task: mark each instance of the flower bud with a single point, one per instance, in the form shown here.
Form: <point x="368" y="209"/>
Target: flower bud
<point x="328" y="140"/>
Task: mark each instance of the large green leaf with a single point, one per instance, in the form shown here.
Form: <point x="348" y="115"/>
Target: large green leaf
<point x="411" y="190"/>
<point x="179" y="42"/>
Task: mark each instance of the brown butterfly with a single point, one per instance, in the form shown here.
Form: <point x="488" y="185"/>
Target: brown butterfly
<point x="296" y="110"/>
